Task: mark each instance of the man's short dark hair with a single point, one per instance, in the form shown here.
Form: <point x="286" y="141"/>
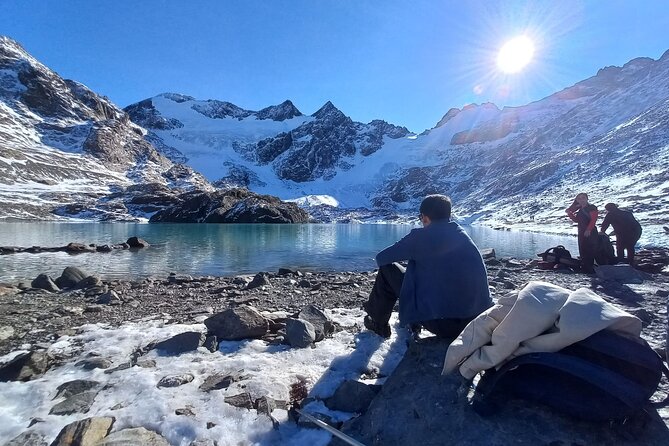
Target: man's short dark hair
<point x="436" y="207"/>
<point x="611" y="207"/>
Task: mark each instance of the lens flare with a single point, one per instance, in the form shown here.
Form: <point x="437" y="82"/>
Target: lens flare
<point x="515" y="54"/>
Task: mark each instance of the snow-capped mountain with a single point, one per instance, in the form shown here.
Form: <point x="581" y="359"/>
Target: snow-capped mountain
<point x="68" y="151"/>
<point x="63" y="147"/>
<point x="518" y="166"/>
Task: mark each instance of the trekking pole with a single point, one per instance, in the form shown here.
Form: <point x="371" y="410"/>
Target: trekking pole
<point x="332" y="430"/>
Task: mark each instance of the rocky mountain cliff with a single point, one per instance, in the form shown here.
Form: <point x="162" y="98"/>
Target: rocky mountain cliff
<point x="67" y="152"/>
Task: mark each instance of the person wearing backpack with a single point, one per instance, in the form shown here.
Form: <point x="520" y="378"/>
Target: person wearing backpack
<point x="585" y="215"/>
<point x="627" y="229"/>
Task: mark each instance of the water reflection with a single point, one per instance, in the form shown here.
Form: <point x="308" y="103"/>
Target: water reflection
<point x="210" y="249"/>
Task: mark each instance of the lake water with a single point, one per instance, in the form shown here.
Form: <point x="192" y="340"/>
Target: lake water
<point x="219" y="249"/>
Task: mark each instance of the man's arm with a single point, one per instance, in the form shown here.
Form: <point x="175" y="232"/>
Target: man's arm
<point x="401" y="250"/>
<point x="606" y="223"/>
<point x="593" y="221"/>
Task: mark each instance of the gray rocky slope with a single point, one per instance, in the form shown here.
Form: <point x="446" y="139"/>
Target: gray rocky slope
<point x="68" y="152"/>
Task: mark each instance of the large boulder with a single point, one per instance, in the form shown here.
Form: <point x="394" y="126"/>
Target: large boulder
<point x="300" y="333"/>
<point x="134" y="437"/>
<point x="70" y="277"/>
<point x="238" y="323"/>
<point x="77" y="403"/>
<point x="28" y="438"/>
<point x="86" y="432"/>
<point x="428" y="408"/>
<point x="136" y="242"/>
<point x="25" y="366"/>
<point x="321" y="321"/>
<point x="181" y="343"/>
<point x="619" y="273"/>
<point x="44" y="282"/>
<point x="352" y="396"/>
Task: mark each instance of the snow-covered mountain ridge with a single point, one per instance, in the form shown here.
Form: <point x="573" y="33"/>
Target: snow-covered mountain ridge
<point x="64" y="150"/>
<point x="514" y="166"/>
<point x="64" y="147"/>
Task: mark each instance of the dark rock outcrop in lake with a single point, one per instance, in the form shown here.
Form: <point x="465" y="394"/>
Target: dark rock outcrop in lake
<point x="230" y="206"/>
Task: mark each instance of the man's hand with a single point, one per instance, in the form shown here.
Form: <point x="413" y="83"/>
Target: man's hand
<point x="587" y="232"/>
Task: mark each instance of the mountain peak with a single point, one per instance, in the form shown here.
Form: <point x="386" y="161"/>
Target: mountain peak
<point x="281" y="112"/>
<point x="327" y="110"/>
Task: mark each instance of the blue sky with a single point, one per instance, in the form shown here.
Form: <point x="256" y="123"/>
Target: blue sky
<point x="407" y="62"/>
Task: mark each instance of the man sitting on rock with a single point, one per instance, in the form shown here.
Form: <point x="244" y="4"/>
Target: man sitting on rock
<point x="444" y="285"/>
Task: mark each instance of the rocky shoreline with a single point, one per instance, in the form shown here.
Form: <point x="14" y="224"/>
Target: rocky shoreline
<point x="33" y="318"/>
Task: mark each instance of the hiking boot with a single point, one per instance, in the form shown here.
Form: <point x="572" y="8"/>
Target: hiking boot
<point x="381" y="330"/>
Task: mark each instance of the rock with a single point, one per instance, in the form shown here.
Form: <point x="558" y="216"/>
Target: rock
<point x="242" y="400"/>
<point x="74" y="248"/>
<point x="233" y="324"/>
<point x="88" y="282"/>
<point x="146" y="363"/>
<point x="300" y="333"/>
<point x="137" y="436"/>
<point x="70" y="277"/>
<point x="260" y="279"/>
<point x="185" y="411"/>
<point x="6" y="332"/>
<point x="619" y="273"/>
<point x="109" y="298"/>
<point x="180" y="278"/>
<point x="304" y="283"/>
<point x="352" y="396"/>
<point x="662" y="293"/>
<point x="77" y="403"/>
<point x="175" y="380"/>
<point x="426" y="408"/>
<point x="94" y="363"/>
<point x="86" y="432"/>
<point x="74" y="387"/>
<point x="204" y="442"/>
<point x="104" y="248"/>
<point x="217" y="382"/>
<point x="25" y="366"/>
<point x="95" y="308"/>
<point x="28" y="438"/>
<point x="44" y="282"/>
<point x="211" y="343"/>
<point x="265" y="405"/>
<point x="136" y="242"/>
<point x="488" y="253"/>
<point x="183" y="342"/>
<point x="288" y="272"/>
<point x="321" y="322"/>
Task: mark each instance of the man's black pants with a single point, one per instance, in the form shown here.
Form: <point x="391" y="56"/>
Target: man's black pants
<point x="385" y="293"/>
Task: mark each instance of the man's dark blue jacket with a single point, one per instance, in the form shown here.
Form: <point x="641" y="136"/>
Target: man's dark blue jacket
<point x="446" y="277"/>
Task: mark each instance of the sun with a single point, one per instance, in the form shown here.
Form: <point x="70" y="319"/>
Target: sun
<point x="515" y="54"/>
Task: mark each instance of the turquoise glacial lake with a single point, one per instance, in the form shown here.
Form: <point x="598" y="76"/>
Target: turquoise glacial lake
<point x="219" y="250"/>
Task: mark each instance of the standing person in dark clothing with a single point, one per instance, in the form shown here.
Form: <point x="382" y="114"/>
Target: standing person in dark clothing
<point x="627" y="229"/>
<point x="585" y="214"/>
<point x="445" y="284"/>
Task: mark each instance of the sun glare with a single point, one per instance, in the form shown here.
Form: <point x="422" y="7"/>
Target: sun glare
<point x="515" y="54"/>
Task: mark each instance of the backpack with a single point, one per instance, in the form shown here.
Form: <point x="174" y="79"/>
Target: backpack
<point x="557" y="255"/>
<point x="605" y="377"/>
<point x="604" y="254"/>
